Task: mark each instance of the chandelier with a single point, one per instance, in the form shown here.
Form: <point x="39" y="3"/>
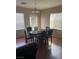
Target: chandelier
<point x="35" y="9"/>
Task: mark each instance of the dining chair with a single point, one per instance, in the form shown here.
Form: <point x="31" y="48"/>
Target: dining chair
<point x="28" y="36"/>
<point x="29" y="29"/>
<point x="42" y="37"/>
<point x="50" y="33"/>
<point x="35" y="28"/>
<point x="47" y="28"/>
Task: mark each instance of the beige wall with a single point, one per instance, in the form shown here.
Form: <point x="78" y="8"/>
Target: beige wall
<point x="27" y="12"/>
<point x="45" y="20"/>
<point x="45" y="15"/>
<point x="57" y="34"/>
<point x="19" y="33"/>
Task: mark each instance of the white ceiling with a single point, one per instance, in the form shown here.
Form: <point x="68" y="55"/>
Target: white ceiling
<point x="41" y="4"/>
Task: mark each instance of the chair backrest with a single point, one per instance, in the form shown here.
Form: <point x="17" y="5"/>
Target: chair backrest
<point x="47" y="28"/>
<point x="25" y="34"/>
<point x="50" y="32"/>
<point x="35" y="28"/>
<point x="43" y="34"/>
<point x="29" y="29"/>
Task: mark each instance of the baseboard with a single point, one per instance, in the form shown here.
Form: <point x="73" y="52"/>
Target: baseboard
<point x="20" y="37"/>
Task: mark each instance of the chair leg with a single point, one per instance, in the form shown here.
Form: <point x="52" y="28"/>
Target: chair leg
<point x="51" y="39"/>
<point x="46" y="41"/>
<point x="26" y="40"/>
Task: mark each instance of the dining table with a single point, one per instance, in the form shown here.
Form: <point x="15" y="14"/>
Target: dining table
<point x="35" y="34"/>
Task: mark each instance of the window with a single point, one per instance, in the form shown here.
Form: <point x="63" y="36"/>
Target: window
<point x="19" y="21"/>
<point x="56" y="21"/>
<point x="33" y="21"/>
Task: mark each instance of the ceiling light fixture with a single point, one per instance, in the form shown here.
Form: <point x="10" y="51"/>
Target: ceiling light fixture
<point x="35" y="9"/>
<point x="23" y="3"/>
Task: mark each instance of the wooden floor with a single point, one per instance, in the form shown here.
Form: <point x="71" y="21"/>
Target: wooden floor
<point x="20" y="42"/>
<point x="52" y="50"/>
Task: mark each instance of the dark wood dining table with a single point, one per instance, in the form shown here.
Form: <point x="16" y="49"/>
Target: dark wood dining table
<point x="35" y="34"/>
